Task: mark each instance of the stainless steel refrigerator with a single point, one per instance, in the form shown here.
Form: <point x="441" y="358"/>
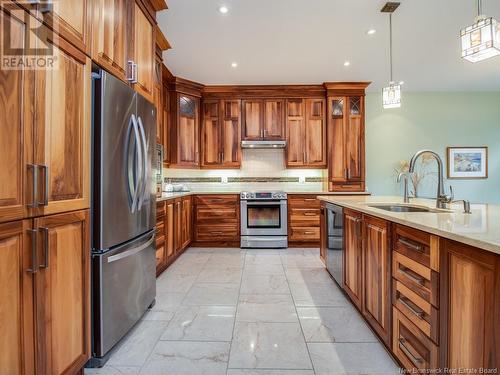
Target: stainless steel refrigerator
<point x="123" y="211"/>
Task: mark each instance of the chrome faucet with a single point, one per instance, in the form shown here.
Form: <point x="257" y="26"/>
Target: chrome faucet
<point x="442" y="200"/>
<point x="406" y="195"/>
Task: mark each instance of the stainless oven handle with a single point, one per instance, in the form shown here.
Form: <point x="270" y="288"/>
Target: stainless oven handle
<point x="264" y="203"/>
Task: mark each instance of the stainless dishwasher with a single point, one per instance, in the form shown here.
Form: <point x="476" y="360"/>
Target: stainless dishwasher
<point x="335" y="241"/>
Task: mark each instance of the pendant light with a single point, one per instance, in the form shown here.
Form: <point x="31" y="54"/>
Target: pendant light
<point x="481" y="40"/>
<point x="391" y="95"/>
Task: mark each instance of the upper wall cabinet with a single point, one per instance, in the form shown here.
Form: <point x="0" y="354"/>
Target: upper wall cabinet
<point x="263" y="119"/>
<point x="306" y="133"/>
<point x="220" y="134"/>
<point x="143" y="56"/>
<point x="346" y="137"/>
<point x="45" y="167"/>
<point x="109" y="35"/>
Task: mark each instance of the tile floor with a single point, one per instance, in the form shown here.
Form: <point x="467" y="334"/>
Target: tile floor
<point x="249" y="312"/>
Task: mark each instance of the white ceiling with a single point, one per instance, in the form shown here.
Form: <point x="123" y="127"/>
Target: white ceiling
<point x="307" y="41"/>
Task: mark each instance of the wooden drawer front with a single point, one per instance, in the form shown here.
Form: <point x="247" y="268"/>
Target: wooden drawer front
<point x="304" y="217"/>
<point x="304" y="234"/>
<point x="160" y="210"/>
<point x="217" y="233"/>
<point x="303" y="201"/>
<point x="411" y="346"/>
<point x="216" y="215"/>
<point x="210" y="200"/>
<point x="160" y="255"/>
<point x="346" y="187"/>
<point x="421" y="280"/>
<point x="412" y="243"/>
<point x="417" y="310"/>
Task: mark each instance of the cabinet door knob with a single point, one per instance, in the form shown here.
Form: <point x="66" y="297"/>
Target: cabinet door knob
<point x="132" y="71"/>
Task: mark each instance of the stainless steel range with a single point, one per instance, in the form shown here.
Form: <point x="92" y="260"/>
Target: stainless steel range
<point x="264" y="219"/>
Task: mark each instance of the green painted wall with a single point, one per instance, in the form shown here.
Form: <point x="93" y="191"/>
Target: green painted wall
<point x="434" y="121"/>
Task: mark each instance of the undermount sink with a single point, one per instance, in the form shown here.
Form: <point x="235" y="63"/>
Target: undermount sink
<point x="404" y="208"/>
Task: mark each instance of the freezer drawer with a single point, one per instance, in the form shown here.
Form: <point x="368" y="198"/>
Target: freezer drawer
<point x="124" y="281"/>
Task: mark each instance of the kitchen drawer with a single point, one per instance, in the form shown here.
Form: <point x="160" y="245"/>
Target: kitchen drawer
<point x="304" y="217"/>
<point x="303" y="201"/>
<point x="160" y="255"/>
<point x="160" y="210"/>
<point x="419" y="311"/>
<point x="211" y="200"/>
<point x="219" y="215"/>
<point x="413" y="243"/>
<point x="304" y="234"/>
<point x="217" y="233"/>
<point x="357" y="187"/>
<point x="420" y="279"/>
<point x="411" y="346"/>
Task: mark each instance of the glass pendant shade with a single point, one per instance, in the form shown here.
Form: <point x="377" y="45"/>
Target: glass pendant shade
<point x="481" y="40"/>
<point x="391" y="96"/>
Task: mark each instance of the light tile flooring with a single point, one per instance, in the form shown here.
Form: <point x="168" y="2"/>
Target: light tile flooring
<point x="249" y="312"/>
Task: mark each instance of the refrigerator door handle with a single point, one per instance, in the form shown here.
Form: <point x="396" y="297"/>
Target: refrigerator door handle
<point x="133" y="251"/>
<point x="138" y="168"/>
<point x="145" y="163"/>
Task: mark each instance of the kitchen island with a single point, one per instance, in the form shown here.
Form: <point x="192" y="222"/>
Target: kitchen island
<point x="428" y="283"/>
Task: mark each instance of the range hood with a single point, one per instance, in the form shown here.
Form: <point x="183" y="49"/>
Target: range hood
<point x="263" y="144"/>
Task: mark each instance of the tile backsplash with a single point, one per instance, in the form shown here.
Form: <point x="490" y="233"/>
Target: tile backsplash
<point x="257" y="166"/>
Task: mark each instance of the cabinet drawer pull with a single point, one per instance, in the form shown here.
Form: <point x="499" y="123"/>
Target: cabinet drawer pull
<point x="412" y="245"/>
<point x="310" y="199"/>
<point x="45" y="247"/>
<point x="405" y="302"/>
<point x="217" y="200"/>
<point x="310" y="214"/>
<point x="45" y="201"/>
<point x="34" y="201"/>
<point x="411" y="275"/>
<point x="220" y="233"/>
<point x="34" y="265"/>
<point x="405" y="350"/>
<point x="132" y="71"/>
<point x="358" y="228"/>
<point x="309" y="232"/>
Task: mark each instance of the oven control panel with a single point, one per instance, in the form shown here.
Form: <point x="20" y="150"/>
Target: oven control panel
<point x="275" y="195"/>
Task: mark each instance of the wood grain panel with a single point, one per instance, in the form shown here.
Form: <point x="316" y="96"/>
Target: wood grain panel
<point x="231" y="133"/>
<point x="62" y="135"/>
<point x="353" y="256"/>
<point x="211" y="133"/>
<point x="253" y="118"/>
<point x="377" y="276"/>
<point x="109" y="35"/>
<point x="144" y="44"/>
<point x="16" y="119"/>
<point x="315" y="133"/>
<point x="17" y="347"/>
<point x="63" y="293"/>
<point x="274" y="119"/>
<point x="336" y="142"/>
<point x="295" y="129"/>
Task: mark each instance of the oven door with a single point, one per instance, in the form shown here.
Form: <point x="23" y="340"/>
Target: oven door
<point x="264" y="218"/>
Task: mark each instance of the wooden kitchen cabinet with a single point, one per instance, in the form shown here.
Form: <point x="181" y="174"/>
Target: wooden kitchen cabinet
<point x="17" y="341"/>
<point x="306" y="133"/>
<point x="303" y="220"/>
<point x="110" y="38"/>
<point x="263" y="119"/>
<point x="376" y="305"/>
<point x="17" y="93"/>
<point x="186" y="221"/>
<point x="221" y="132"/>
<point x="346" y="136"/>
<point x="47" y="140"/>
<point x="185" y="131"/>
<point x="165" y="252"/>
<point x="470" y="307"/>
<point x="353" y="234"/>
<point x="62" y="134"/>
<point x="63" y="292"/>
<point x="143" y="51"/>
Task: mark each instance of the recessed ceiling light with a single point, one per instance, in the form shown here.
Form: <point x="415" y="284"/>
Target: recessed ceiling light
<point x="401" y="83"/>
<point x="347" y="63"/>
<point x="234" y="65"/>
<point x="223" y="9"/>
<point x="371" y="32"/>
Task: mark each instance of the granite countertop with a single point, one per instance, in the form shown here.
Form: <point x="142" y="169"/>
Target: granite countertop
<point x="480" y="229"/>
<point x="172" y="195"/>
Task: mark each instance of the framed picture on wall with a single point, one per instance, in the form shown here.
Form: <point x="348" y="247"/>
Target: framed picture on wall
<point x="467" y="162"/>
